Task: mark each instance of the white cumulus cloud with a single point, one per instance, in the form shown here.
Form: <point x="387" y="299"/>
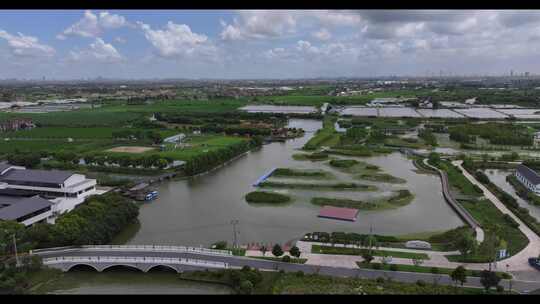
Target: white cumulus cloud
<point x="26" y="46"/>
<point x="92" y="25"/>
<point x="100" y="51"/>
<point x="177" y="40"/>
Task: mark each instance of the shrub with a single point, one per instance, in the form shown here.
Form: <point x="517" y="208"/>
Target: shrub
<point x="380" y="280"/>
<point x="393" y="267"/>
<point x="421" y="283"/>
<point x="500" y="288"/>
<point x="377" y="266"/>
<point x="286" y="259"/>
<point x="300" y="273"/>
<point x="434" y="270"/>
<point x="266" y="197"/>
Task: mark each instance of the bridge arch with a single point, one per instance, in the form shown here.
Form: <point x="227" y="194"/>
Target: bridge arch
<point x="85" y="265"/>
<point x="121" y="266"/>
<point x="158" y="267"/>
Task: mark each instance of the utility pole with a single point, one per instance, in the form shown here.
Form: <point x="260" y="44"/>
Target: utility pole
<point x="234" y="223"/>
<point x="16" y="255"/>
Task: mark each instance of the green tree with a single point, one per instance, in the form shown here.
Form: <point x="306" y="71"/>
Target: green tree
<point x="434" y="158"/>
<point x="246" y="287"/>
<point x="277" y="251"/>
<point x="465" y="243"/>
<point x="295" y="251"/>
<point x="459" y="275"/>
<point x="489" y="279"/>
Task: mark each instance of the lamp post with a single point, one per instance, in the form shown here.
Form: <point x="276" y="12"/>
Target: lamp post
<point x="509" y="281"/>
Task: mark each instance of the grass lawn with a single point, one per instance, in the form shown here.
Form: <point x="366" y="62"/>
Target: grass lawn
<point x="492" y="219"/>
<point x="356" y="251"/>
<point x="327" y="136"/>
<point x="457" y="180"/>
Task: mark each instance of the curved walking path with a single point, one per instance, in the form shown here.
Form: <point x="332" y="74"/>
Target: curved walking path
<point x="518" y="263"/>
<point x="462" y="212"/>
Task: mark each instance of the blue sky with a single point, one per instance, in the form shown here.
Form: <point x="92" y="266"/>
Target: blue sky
<point x="265" y="44"/>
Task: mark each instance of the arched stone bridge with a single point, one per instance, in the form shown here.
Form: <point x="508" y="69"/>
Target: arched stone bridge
<point x="100" y="263"/>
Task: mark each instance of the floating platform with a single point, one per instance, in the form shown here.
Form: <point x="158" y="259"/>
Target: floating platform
<point x="264" y="177"/>
<point x="338" y="213"/>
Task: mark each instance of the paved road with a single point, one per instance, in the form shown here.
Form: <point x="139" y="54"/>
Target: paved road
<point x="519" y="261"/>
<point x="462" y="212"/>
<point x="237" y="261"/>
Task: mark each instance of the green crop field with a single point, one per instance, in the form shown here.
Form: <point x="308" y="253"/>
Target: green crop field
<point x="75" y="133"/>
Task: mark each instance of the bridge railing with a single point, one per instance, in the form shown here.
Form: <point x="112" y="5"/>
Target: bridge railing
<point x="183" y="249"/>
<point x="144" y="260"/>
<point x="160" y="248"/>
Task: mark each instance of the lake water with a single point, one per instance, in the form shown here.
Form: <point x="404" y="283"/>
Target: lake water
<point x="199" y="211"/>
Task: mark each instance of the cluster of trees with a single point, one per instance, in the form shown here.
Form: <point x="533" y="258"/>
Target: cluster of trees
<point x="199" y="118"/>
<point x="145" y="161"/>
<point x="496" y="133"/>
<point x="232" y="130"/>
<point x="96" y="221"/>
<point x="15" y="280"/>
<point x="353" y="135"/>
<point x="428" y="137"/>
<point x="28" y="159"/>
<point x="244" y="281"/>
<point x="211" y="159"/>
<point x="135" y="134"/>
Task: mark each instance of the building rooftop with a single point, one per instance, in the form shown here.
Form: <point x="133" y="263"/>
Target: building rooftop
<point x="21" y="206"/>
<point x="529" y="174"/>
<point x="338" y="213"/>
<point x="43" y="176"/>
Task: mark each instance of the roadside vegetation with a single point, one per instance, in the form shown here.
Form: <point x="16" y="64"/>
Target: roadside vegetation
<point x="262" y="282"/>
<point x="361" y="251"/>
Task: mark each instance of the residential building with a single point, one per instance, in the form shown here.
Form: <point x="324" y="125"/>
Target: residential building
<point x="529" y="178"/>
<point x="64" y="190"/>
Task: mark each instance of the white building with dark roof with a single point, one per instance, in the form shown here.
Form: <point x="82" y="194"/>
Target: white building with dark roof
<point x="529" y="178"/>
<point x="64" y="190"/>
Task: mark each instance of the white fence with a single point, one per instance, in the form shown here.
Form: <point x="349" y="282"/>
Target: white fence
<point x="139" y="260"/>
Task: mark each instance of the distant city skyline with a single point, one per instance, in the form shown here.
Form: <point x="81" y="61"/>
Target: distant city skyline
<point x="266" y="44"/>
